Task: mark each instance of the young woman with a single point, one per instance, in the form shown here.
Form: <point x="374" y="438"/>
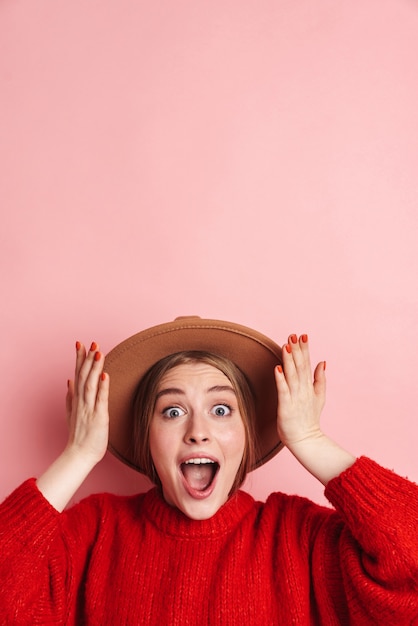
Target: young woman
<point x="195" y="404"/>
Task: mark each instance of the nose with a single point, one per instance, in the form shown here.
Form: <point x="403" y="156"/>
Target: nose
<point x="197" y="430"/>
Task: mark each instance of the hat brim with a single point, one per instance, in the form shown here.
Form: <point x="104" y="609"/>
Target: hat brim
<point x="255" y="354"/>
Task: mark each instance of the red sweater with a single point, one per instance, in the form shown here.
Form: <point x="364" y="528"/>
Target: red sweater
<point x="125" y="561"/>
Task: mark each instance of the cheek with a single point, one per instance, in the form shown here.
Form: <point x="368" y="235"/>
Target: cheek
<point x="156" y="447"/>
<point x="163" y="445"/>
<point x="157" y="441"/>
<point x="234" y="440"/>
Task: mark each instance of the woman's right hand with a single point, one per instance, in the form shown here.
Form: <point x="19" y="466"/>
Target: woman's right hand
<point x="88" y="420"/>
<point x="87" y="406"/>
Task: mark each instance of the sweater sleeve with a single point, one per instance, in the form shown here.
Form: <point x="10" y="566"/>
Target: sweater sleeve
<point x="376" y="544"/>
<point x="32" y="589"/>
<point x="28" y="574"/>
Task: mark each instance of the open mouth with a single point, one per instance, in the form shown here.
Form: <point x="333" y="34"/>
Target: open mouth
<point x="199" y="473"/>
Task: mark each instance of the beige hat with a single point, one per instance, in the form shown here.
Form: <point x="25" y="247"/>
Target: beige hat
<point x="255" y="354"/>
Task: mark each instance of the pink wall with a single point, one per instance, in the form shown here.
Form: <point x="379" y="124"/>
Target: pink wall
<point x="251" y="161"/>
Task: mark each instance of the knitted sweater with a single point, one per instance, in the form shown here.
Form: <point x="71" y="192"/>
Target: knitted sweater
<point x="123" y="561"/>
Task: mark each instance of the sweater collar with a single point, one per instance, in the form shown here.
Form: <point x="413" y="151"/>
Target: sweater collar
<point x="171" y="521"/>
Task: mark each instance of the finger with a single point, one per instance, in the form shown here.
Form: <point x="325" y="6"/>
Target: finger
<point x="297" y="355"/>
<point x="303" y="359"/>
<point x="102" y="399"/>
<point x="283" y="391"/>
<point x="85" y="363"/>
<point x="69" y="399"/>
<point x="320" y="379"/>
<point x="91" y="386"/>
<point x="289" y="366"/>
<point x="80" y="357"/>
<point x="281" y="383"/>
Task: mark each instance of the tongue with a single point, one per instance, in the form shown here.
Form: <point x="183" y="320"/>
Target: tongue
<point x="198" y="476"/>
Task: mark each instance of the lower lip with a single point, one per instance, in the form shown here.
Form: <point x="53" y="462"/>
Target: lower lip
<point x="196" y="493"/>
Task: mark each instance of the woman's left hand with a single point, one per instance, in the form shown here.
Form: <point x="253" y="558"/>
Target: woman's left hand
<point x="301" y="397"/>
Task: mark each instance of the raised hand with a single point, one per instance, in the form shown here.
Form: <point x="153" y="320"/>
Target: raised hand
<point x="301" y="395"/>
<point x="301" y="398"/>
<point x="88" y="421"/>
<point x="87" y="405"/>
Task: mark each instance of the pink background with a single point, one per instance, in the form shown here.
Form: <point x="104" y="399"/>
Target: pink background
<point x="249" y="161"/>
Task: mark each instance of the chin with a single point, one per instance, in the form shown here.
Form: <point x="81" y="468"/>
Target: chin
<point x="198" y="509"/>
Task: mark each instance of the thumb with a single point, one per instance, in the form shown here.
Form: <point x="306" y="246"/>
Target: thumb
<point x="69" y="400"/>
<point x="320" y="379"/>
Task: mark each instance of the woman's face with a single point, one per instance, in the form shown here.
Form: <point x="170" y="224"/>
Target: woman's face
<point x="197" y="438"/>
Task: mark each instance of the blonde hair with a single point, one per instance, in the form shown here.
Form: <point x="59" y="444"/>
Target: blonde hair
<point x="145" y="398"/>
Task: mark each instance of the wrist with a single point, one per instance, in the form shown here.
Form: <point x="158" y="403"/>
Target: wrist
<point x="303" y="440"/>
<point x="67" y="473"/>
<point x="79" y="459"/>
<point x="321" y="456"/>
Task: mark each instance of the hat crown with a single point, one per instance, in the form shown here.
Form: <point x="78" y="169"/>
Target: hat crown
<point x="187" y="317"/>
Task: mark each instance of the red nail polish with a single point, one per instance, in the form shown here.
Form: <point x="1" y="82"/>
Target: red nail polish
<point x="288" y="348"/>
<point x="280" y="369"/>
<point x="305" y="338"/>
<point x="325" y="365"/>
<point x="77" y="345"/>
<point x="103" y="376"/>
<point x="293" y="338"/>
<point x="93" y="346"/>
<point x="68" y="383"/>
<point x="97" y="356"/>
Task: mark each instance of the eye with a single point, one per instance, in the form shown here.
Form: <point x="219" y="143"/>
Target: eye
<point x="173" y="411"/>
<point x="221" y="410"/>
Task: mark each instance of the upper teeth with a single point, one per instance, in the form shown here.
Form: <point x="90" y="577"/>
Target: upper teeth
<point x="199" y="461"/>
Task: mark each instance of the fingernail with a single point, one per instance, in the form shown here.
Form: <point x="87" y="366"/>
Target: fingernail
<point x="103" y="376"/>
<point x="288" y="348"/>
<point x="293" y="338"/>
<point x="68" y="383"/>
<point x="280" y="369"/>
<point x="305" y="338"/>
<point x="93" y="346"/>
<point x="97" y="356"/>
<point x="325" y="365"/>
<point x="77" y="345"/>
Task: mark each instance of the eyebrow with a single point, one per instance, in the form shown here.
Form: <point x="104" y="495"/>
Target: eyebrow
<point x="169" y="391"/>
<point x="221" y="388"/>
<point x="179" y="392"/>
